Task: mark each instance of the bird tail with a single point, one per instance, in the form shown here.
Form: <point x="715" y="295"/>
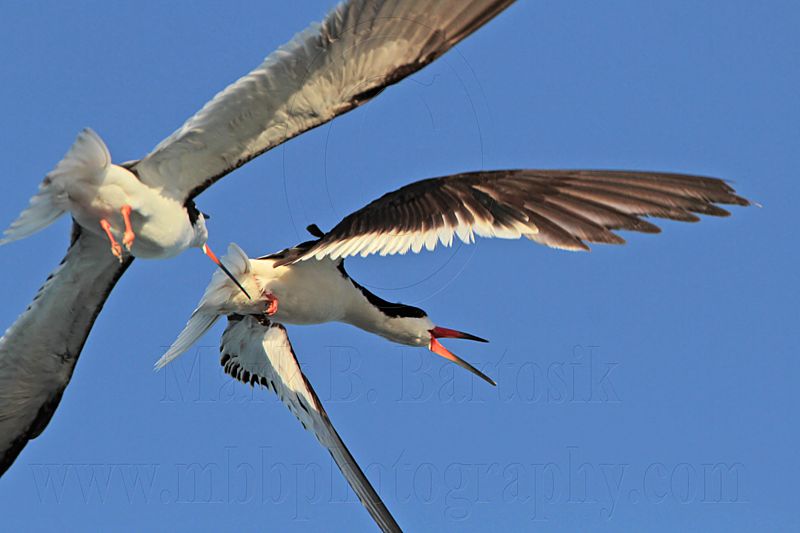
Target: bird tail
<point x="200" y="322"/>
<point x="218" y="293"/>
<point x="85" y="160"/>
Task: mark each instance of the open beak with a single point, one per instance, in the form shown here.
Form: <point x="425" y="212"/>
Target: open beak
<point x="437" y="348"/>
<point x="447" y="333"/>
<point x="210" y="254"/>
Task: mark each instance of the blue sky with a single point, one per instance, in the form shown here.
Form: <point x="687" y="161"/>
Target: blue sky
<point x="640" y="388"/>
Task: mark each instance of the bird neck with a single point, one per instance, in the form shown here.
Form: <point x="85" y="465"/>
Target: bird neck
<point x="397" y="322"/>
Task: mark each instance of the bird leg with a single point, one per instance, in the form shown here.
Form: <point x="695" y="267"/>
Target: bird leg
<point x="116" y="249"/>
<point x="129" y="236"/>
<point x="272" y="304"/>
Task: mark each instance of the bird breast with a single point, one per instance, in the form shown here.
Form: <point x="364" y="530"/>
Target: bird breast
<point x="308" y="292"/>
<point x="160" y="223"/>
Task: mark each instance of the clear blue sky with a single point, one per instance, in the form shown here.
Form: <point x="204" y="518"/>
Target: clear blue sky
<point x="631" y="379"/>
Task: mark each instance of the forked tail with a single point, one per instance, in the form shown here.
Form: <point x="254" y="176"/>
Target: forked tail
<point x="218" y="293"/>
<point x="86" y="159"/>
<point x="198" y="324"/>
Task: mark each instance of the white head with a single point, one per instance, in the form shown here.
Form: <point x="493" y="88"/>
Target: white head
<point x="225" y="294"/>
<point x="200" y="232"/>
<point x="197" y="219"/>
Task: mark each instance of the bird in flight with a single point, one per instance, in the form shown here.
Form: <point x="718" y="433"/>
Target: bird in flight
<point x="308" y="283"/>
<point x="98" y="193"/>
<point x="330" y="68"/>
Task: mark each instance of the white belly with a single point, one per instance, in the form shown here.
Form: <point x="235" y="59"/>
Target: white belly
<point x="162" y="235"/>
<point x="309" y="292"/>
<point x="161" y="225"/>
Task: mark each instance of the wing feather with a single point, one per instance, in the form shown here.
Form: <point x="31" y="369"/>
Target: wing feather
<point x="558" y="208"/>
<point x="39" y="351"/>
<point x="259" y="352"/>
<point x="361" y="47"/>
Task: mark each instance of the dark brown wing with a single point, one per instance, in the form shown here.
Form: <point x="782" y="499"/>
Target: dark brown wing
<point x="557" y="208"/>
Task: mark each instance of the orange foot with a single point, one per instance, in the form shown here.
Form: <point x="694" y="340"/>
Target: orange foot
<point x="116" y="249"/>
<point x="129" y="236"/>
<point x="272" y="304"/>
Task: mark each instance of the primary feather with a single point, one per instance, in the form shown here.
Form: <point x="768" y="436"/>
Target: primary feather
<point x="256" y="351"/>
<point x="558" y="208"/>
<point x="360" y="48"/>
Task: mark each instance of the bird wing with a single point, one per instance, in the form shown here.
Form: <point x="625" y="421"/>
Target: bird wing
<point x="39" y="351"/>
<point x="360" y="48"/>
<point x="258" y="352"/>
<point x="557" y="208"/>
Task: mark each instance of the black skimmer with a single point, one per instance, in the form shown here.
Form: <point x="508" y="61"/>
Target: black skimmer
<point x="308" y="284"/>
<point x="109" y="200"/>
<point x="359" y="49"/>
<point x="291" y="290"/>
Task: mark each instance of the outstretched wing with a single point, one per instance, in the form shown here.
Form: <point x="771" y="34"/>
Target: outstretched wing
<point x="260" y="353"/>
<point x="360" y="48"/>
<point x="557" y="208"/>
<point x="39" y="351"/>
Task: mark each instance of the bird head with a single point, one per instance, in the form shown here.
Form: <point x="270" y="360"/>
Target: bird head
<point x="445" y="333"/>
<point x="200" y="231"/>
<point x="197" y="220"/>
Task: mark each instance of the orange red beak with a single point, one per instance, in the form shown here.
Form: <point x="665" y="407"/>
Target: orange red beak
<point x="447" y="333"/>
<point x="436" y="347"/>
